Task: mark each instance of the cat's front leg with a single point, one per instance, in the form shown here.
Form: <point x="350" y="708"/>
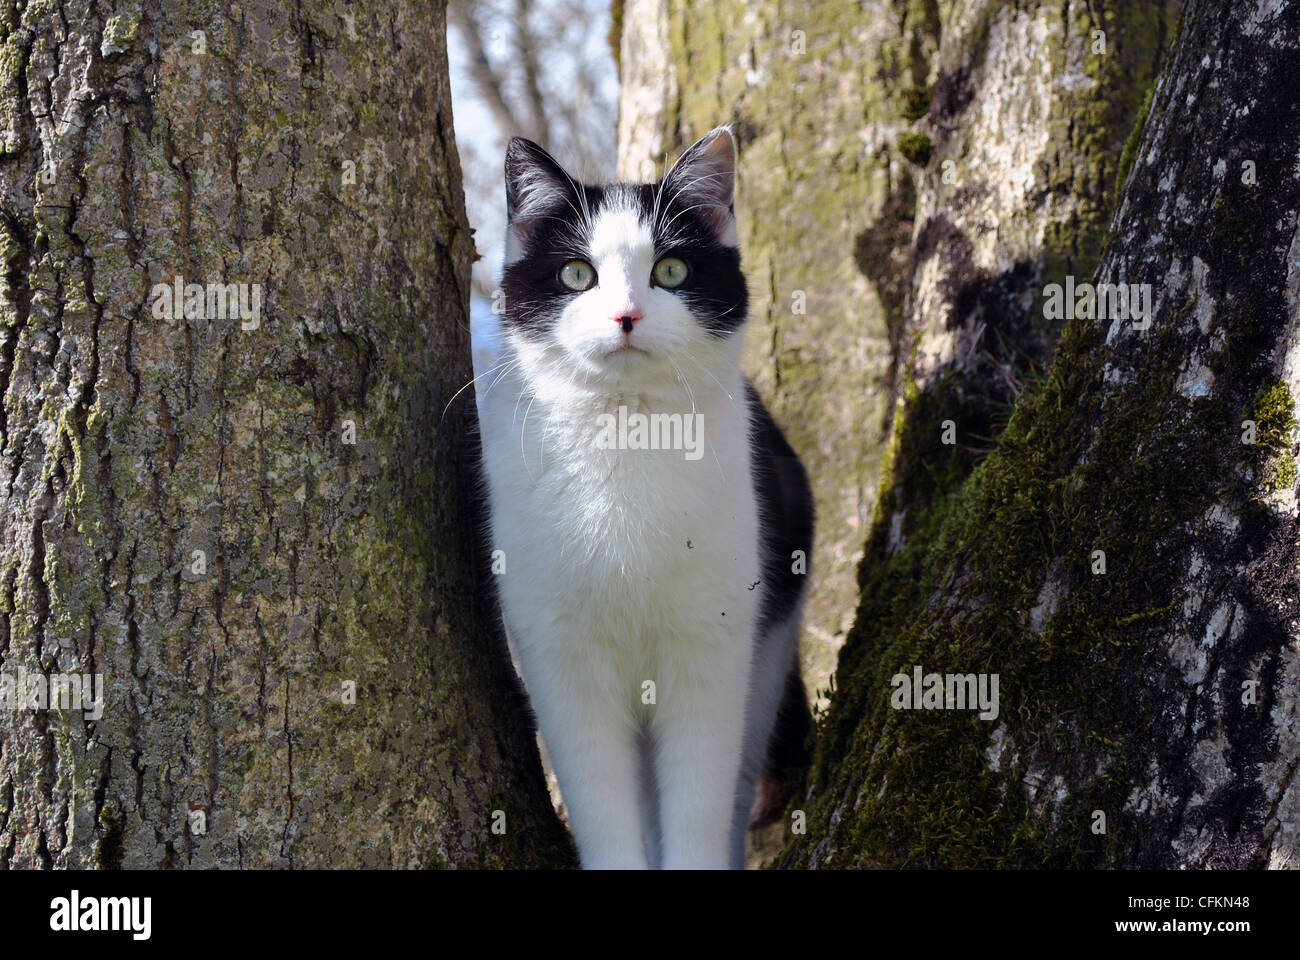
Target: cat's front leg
<point x="591" y="737"/>
<point x="698" y="730"/>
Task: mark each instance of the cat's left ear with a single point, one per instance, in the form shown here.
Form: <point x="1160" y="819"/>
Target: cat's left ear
<point x="704" y="177"/>
<point x="537" y="189"/>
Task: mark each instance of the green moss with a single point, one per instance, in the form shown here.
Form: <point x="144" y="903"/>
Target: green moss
<point x="916" y="788"/>
<point x="916" y="147"/>
<point x="119" y="35"/>
<point x="1283" y="475"/>
<point x="437" y="862"/>
<point x="108" y="849"/>
<point x="916" y="102"/>
<point x="1129" y="154"/>
<point x="615" y="37"/>
<point x="1273" y="413"/>
<point x="85" y="502"/>
<point x="889" y="57"/>
<point x="1147" y="614"/>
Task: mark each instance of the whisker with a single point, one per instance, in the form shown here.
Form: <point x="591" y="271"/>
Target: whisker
<point x="523" y="432"/>
<point x="501" y="376"/>
<point x="473" y="380"/>
<point x="681" y="378"/>
<point x="709" y="373"/>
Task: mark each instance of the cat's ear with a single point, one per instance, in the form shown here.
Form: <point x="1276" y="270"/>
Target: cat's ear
<point x="704" y="178"/>
<point x="536" y="188"/>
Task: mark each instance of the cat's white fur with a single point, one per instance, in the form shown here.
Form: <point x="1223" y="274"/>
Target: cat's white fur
<point x="625" y="568"/>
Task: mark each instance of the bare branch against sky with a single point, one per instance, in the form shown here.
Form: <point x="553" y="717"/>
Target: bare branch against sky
<point x="542" y="70"/>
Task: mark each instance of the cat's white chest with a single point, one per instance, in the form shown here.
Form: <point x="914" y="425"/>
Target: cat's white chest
<point x="644" y="549"/>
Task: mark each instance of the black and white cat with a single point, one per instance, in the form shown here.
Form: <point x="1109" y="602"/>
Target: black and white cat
<point x="654" y="572"/>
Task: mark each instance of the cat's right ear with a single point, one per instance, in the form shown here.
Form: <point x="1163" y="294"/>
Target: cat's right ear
<point x="536" y="188"/>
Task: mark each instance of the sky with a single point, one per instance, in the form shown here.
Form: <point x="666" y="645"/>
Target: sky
<point x="578" y="31"/>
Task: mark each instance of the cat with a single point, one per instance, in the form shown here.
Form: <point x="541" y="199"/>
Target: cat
<point x="652" y="577"/>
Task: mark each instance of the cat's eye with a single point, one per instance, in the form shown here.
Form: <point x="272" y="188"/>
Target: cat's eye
<point x="670" y="272"/>
<point x="577" y="275"/>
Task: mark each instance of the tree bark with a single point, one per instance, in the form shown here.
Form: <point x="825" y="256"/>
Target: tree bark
<point x="260" y="533"/>
<point x="1125" y="559"/>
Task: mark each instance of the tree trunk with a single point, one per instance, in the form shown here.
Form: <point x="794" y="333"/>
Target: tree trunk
<point x="257" y="529"/>
<point x="1125" y="559"/>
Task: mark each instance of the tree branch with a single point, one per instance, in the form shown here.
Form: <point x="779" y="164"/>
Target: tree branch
<point x="487" y="81"/>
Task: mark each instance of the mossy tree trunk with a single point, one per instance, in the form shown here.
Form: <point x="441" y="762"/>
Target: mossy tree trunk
<point x="1124" y="559"/>
<point x="256" y="529"/>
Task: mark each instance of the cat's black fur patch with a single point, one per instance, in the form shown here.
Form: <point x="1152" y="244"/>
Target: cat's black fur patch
<point x="785" y="504"/>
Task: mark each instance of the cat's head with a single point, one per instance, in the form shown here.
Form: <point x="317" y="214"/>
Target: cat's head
<point x="624" y="287"/>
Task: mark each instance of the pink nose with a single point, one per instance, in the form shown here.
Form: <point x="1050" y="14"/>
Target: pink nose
<point x="627" y="318"/>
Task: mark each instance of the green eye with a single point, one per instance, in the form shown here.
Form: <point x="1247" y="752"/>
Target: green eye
<point x="670" y="272"/>
<point x="577" y="275"/>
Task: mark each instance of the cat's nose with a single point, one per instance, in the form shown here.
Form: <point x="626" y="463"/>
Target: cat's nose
<point x="627" y="318"/>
